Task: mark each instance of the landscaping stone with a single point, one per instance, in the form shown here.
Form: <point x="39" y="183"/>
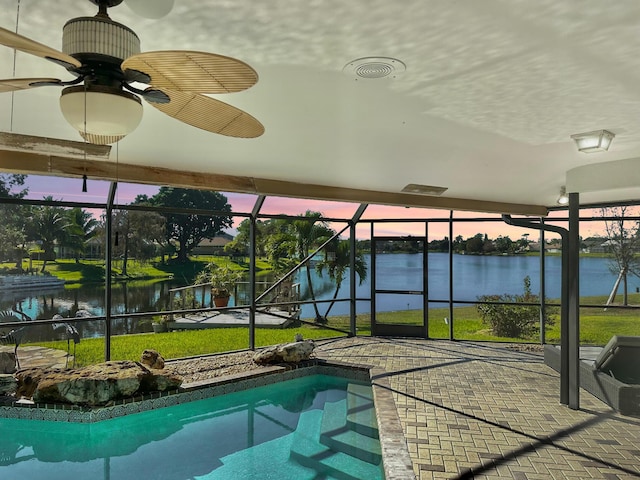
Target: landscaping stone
<point x="94" y="385"/>
<point x="152" y="359"/>
<point x="7" y="362"/>
<point x="8" y="384"/>
<point x="286" y="353"/>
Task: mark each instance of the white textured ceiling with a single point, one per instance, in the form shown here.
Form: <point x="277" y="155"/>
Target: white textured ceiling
<point x="491" y="93"/>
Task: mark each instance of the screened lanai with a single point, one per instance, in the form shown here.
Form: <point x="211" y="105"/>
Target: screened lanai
<point x="429" y="271"/>
<point x="368" y="103"/>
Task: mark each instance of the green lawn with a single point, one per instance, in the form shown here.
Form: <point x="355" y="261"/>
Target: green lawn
<point x="92" y="271"/>
<point x="597" y="325"/>
<point x="596" y="328"/>
<point x="186" y="343"/>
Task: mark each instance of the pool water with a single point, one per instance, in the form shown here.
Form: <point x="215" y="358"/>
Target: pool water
<point x="297" y="429"/>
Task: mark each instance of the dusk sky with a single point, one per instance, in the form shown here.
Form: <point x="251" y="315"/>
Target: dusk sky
<point x="70" y="189"/>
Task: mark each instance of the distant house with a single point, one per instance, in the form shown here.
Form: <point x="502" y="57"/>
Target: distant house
<point x="553" y="246"/>
<point x="93" y="248"/>
<point x="212" y="246"/>
<point x="534" y="246"/>
<point x="598" y="245"/>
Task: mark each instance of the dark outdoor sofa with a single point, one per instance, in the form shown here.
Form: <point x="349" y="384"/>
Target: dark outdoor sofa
<point x="614" y="375"/>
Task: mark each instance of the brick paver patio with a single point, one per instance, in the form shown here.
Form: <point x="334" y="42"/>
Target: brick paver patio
<point x="486" y="410"/>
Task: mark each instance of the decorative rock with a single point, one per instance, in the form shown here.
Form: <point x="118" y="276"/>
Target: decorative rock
<point x="28" y="379"/>
<point x="287" y="353"/>
<point x="93" y="385"/>
<point x="298" y="337"/>
<point x="8" y="384"/>
<point x="152" y="359"/>
<point x="7" y="362"/>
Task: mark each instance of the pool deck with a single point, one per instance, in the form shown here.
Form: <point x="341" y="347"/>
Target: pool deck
<point x="34" y="356"/>
<point x="483" y="410"/>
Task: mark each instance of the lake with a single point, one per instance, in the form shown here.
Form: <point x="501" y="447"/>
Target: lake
<point x="473" y="276"/>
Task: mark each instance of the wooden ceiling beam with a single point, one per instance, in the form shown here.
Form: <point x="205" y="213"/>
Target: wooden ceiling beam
<point x="64" y="166"/>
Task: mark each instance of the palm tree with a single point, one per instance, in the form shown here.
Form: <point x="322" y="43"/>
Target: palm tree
<point x="49" y="225"/>
<point x="310" y="232"/>
<point x="337" y="262"/>
<point x="83" y="227"/>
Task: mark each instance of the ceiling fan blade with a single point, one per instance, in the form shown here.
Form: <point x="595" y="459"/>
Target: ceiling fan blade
<point x="210" y="114"/>
<point x="13" y="84"/>
<point x="192" y="71"/>
<point x="24" y="44"/>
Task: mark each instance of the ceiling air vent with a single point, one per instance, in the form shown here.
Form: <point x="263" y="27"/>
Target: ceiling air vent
<point x="374" y="67"/>
<point x="424" y="189"/>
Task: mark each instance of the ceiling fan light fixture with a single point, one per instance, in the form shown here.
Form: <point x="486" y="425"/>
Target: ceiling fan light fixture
<point x="596" y="141"/>
<point x="108" y="112"/>
<point x="101" y="139"/>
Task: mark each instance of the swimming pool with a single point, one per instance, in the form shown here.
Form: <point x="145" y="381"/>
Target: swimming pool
<point x="296" y="429"/>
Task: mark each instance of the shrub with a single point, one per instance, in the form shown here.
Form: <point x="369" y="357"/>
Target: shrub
<point x="511" y="320"/>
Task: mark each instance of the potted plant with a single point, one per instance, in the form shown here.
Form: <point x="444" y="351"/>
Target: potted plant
<point x="222" y="280"/>
<point x="159" y="323"/>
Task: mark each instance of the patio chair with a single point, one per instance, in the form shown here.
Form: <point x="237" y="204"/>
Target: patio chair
<point x="619" y="358"/>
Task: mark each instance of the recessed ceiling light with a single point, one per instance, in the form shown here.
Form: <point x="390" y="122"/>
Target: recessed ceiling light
<point x="374" y="68"/>
<point x="424" y="189"/>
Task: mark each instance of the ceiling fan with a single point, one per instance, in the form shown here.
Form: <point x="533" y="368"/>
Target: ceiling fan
<point x="103" y="104"/>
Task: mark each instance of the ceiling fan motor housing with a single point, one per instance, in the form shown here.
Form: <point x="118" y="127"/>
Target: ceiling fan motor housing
<point x="99" y="39"/>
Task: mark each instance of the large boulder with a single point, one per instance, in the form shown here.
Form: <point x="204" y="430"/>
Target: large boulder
<point x="28" y="379"/>
<point x="8" y="384"/>
<point x="93" y="385"/>
<point x="286" y="353"/>
<point x="7" y="362"/>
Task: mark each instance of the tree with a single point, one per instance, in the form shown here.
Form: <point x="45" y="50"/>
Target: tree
<point x="504" y="244"/>
<point x="309" y="233"/>
<point x="459" y="244"/>
<point x="188" y="230"/>
<point x="280" y="246"/>
<point x="140" y="234"/>
<point x="475" y="243"/>
<point x="240" y="244"/>
<point x="623" y="241"/>
<point x="83" y="227"/>
<point x="9" y="183"/>
<point x="49" y="225"/>
<point x="522" y="244"/>
<point x="337" y="261"/>
<point x="12" y="227"/>
<point x="439" y="245"/>
<point x="148" y="231"/>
